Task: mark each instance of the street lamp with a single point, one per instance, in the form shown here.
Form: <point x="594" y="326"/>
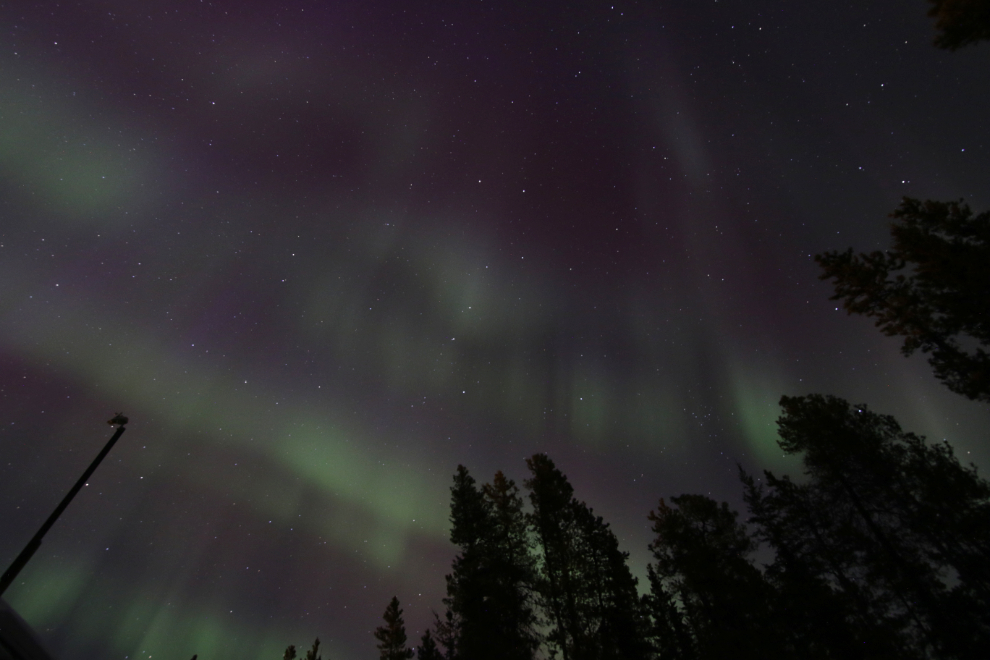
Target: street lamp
<point x="22" y="559"/>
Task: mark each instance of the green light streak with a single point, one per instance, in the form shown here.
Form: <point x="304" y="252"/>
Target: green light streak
<point x="142" y="625"/>
<point x="329" y="457"/>
<point x="755" y="393"/>
<point x="86" y="171"/>
<point x="54" y="590"/>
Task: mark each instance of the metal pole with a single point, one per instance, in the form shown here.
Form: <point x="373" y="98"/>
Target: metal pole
<point x="22" y="559"/>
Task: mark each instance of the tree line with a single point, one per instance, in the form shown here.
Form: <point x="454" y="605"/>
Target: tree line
<point x="879" y="550"/>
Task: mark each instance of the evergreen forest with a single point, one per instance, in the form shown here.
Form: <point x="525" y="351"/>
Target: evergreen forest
<point x="879" y="549"/>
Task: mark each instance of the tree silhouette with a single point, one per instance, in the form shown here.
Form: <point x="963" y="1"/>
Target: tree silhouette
<point x="702" y="559"/>
<point x="586" y="588"/>
<point x="311" y="654"/>
<point x="392" y="636"/>
<point x="932" y="288"/>
<point x="897" y="529"/>
<point x="314" y="652"/>
<point x="446" y="633"/>
<point x="960" y="22"/>
<point x="821" y="598"/>
<point x="511" y="573"/>
<point x="489" y="602"/>
<point x="667" y="630"/>
<point x="428" y="648"/>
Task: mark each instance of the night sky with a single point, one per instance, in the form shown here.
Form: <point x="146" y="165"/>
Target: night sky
<point x="322" y="252"/>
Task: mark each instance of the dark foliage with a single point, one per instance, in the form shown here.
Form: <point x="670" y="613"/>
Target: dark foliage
<point x="392" y="636"/>
<point x="446" y="633"/>
<point x="702" y="558"/>
<point x="890" y="536"/>
<point x="932" y="288"/>
<point x="290" y="652"/>
<point x="585" y="585"/>
<point x="489" y="598"/>
<point x="667" y="630"/>
<point x="881" y="551"/>
<point x="960" y="22"/>
<point x="314" y="652"/>
<point x="427" y="649"/>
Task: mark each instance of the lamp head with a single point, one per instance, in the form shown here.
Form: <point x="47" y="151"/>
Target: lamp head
<point x="118" y="420"/>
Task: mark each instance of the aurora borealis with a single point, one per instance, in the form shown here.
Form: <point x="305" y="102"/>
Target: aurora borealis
<point x="321" y="253"/>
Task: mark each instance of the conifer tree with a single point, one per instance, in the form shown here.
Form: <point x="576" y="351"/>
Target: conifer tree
<point x="555" y="528"/>
<point x="488" y="600"/>
<point x="311" y="654"/>
<point x="931" y="288"/>
<point x="446" y="633"/>
<point x="702" y="559"/>
<point x="427" y="649"/>
<point x="822" y="601"/>
<point x="667" y="631"/>
<point x="510" y="616"/>
<point x="392" y="636"/>
<point x="314" y="652"/>
<point x="897" y="528"/>
<point x="587" y="590"/>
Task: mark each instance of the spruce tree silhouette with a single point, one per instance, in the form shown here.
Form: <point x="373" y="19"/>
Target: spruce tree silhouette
<point x="880" y="522"/>
<point x="586" y="589"/>
<point x="489" y="597"/>
<point x="702" y="558"/>
<point x="311" y="654"/>
<point x="427" y="649"/>
<point x="932" y="288"/>
<point x="392" y="636"/>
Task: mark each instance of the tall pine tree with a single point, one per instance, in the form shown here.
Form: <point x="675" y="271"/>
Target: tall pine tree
<point x="896" y="527"/>
<point x="667" y="630"/>
<point x="427" y="649"/>
<point x="702" y="561"/>
<point x="392" y="636"/>
<point x="931" y="288"/>
<point x="823" y="601"/>
<point x="586" y="588"/>
<point x="512" y="572"/>
<point x="489" y="601"/>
